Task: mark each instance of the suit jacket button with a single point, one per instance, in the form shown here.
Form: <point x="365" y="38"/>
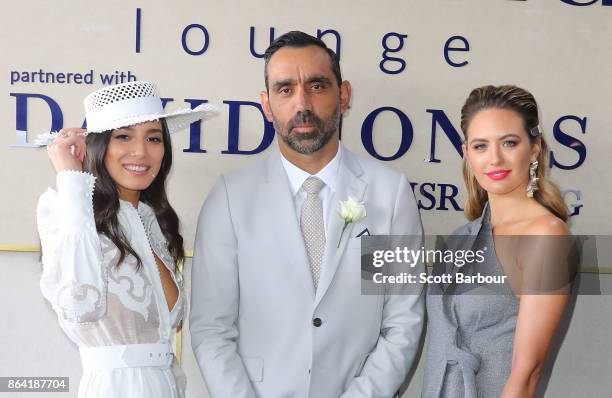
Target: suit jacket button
<point x="317" y="322"/>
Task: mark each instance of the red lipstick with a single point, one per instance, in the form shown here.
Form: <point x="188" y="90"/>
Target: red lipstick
<point x="498" y="174"/>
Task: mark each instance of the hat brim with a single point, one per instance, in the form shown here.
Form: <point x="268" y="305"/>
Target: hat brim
<point x="176" y="121"/>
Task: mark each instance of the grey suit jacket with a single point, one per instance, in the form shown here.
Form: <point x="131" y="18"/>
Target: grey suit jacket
<point x="254" y="306"/>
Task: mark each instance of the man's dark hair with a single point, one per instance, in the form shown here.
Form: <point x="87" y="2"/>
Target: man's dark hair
<point x="299" y="39"/>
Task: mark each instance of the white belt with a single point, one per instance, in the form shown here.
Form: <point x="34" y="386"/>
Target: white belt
<point x="126" y="356"/>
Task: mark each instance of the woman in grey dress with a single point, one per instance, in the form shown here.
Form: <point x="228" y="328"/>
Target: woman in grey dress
<point x="491" y="340"/>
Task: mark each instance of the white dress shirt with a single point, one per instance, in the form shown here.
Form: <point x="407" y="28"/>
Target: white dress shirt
<point x="328" y="174"/>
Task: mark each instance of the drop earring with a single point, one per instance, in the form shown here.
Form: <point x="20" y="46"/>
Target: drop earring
<point x="533" y="180"/>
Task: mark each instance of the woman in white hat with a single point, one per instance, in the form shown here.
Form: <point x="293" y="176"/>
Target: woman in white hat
<point x="111" y="243"/>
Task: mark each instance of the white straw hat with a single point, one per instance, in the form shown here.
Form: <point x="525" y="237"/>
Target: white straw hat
<point x="136" y="102"/>
<point x="126" y="104"/>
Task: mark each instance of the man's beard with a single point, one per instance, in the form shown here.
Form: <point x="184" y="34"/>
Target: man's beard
<point x="323" y="131"/>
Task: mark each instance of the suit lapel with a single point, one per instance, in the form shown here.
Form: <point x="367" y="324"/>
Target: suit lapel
<point x="348" y="183"/>
<point x="284" y="222"/>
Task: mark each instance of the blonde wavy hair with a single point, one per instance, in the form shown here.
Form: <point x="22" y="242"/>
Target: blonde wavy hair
<point x="524" y="104"/>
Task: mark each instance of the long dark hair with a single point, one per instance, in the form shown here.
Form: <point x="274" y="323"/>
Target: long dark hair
<point x="106" y="197"/>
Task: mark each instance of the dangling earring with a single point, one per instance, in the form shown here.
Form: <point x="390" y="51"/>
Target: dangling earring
<point x="533" y="180"/>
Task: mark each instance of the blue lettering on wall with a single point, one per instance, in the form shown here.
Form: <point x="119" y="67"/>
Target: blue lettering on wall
<point x="117" y="77"/>
<point x="440" y="118"/>
<point x="569" y="142"/>
<point x="430" y="194"/>
<point x="367" y="133"/>
<point x="252" y="42"/>
<point x="234" y="129"/>
<point x="195" y="129"/>
<point x="138" y="21"/>
<point x="426" y="190"/>
<point x="464" y="48"/>
<point x="165" y="100"/>
<point x="387" y="49"/>
<point x="205" y="41"/>
<point x="587" y="3"/>
<point x="450" y="196"/>
<point x="578" y="3"/>
<point x="321" y="33"/>
<point x="21" y="116"/>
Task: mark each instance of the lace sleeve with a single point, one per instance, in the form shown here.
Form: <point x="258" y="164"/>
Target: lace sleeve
<point x="74" y="277"/>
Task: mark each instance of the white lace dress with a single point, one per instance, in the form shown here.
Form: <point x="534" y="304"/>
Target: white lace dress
<point x="114" y="314"/>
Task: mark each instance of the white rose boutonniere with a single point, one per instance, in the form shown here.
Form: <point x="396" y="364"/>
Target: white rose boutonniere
<point x="351" y="210"/>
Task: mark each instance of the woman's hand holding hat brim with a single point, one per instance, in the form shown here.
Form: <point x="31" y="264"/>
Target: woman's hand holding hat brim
<point x="67" y="151"/>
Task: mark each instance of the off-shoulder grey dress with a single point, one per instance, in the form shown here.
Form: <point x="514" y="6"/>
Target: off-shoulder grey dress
<point x="471" y="329"/>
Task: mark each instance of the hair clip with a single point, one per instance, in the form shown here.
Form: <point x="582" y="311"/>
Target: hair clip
<point x="534" y="132"/>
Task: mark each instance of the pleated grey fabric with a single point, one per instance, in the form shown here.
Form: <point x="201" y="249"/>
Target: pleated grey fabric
<point x="471" y="329"/>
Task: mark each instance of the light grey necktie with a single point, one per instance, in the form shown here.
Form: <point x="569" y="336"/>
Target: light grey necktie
<point x="313" y="229"/>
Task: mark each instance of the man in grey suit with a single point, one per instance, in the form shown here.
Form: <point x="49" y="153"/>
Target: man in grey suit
<point x="277" y="309"/>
